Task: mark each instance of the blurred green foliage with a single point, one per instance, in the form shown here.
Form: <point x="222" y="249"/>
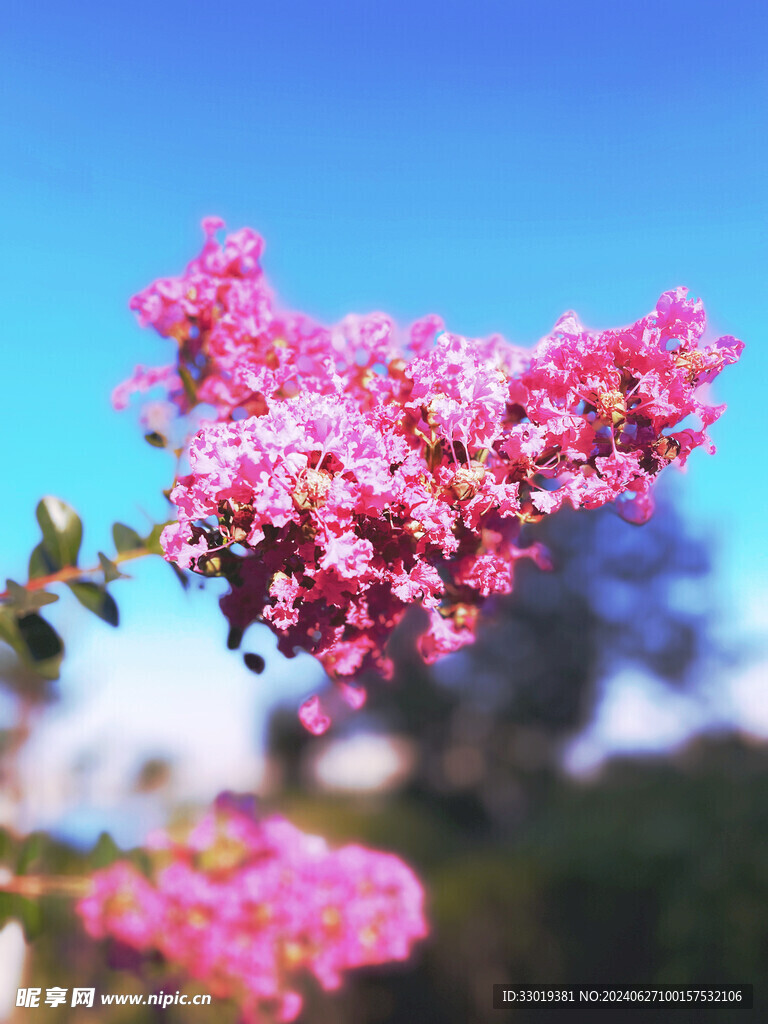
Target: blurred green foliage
<point x="653" y="874"/>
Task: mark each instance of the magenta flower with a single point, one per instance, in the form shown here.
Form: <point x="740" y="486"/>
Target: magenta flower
<point x="248" y="905"/>
<point x="345" y="473"/>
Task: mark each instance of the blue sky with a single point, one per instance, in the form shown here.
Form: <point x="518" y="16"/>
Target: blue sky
<point x="495" y="162"/>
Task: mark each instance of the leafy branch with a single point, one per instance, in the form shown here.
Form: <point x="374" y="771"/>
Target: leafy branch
<point x="53" y="561"/>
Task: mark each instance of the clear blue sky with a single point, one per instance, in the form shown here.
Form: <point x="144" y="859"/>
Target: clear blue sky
<point x="494" y="162"/>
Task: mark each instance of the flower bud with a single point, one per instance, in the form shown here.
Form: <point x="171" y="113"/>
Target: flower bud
<point x="467" y="480"/>
<point x="667" y="448"/>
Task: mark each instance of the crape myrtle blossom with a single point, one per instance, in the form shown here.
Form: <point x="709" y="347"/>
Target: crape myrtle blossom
<point x="345" y="473"/>
<point x="248" y="905"/>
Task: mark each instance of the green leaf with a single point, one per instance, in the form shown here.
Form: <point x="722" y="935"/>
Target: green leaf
<point x="9" y="630"/>
<point x="41" y="640"/>
<point x="95" y="598"/>
<point x="30" y="850"/>
<point x="18" y="908"/>
<point x="156" y="439"/>
<point x="126" y="538"/>
<point x="62" y="531"/>
<point x="110" y="570"/>
<point x="152" y="540"/>
<point x="24" y="601"/>
<point x="35" y="641"/>
<point x="105" y="852"/>
<point x="40" y="563"/>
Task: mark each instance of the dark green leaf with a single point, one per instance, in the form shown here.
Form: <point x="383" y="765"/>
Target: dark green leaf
<point x="24" y="601"/>
<point x="254" y="662"/>
<point x="41" y="639"/>
<point x="156" y="440"/>
<point x="126" y="538"/>
<point x="34" y="640"/>
<point x="110" y="570"/>
<point x="95" y="598"/>
<point x="62" y="531"/>
<point x="40" y="563"/>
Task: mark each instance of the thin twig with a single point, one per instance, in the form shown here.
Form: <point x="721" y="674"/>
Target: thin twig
<point x="72" y="572"/>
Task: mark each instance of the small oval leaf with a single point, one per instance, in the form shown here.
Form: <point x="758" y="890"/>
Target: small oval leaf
<point x="24" y="601"/>
<point x="110" y="570"/>
<point x="96" y="599"/>
<point x="42" y="647"/>
<point x="40" y="563"/>
<point x="62" y="531"/>
<point x="254" y="662"/>
<point x="152" y="541"/>
<point x="126" y="538"/>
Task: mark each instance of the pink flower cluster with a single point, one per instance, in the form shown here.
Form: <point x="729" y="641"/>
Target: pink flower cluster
<point x="247" y="905"/>
<point x="344" y="473"/>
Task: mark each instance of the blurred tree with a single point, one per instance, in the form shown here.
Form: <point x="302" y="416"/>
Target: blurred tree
<point x="488" y="723"/>
<point x="652" y="874"/>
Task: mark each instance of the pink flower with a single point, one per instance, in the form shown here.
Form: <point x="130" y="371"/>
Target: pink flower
<point x="343" y="473"/>
<point x="247" y="905"/>
<point x="122" y="903"/>
<point x="144" y="379"/>
<point x="312" y="718"/>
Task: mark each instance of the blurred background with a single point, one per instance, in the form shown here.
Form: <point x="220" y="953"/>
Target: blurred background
<point x="584" y="791"/>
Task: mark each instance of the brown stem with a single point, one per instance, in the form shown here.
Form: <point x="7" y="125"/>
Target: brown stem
<point x="72" y="572"/>
<point x="34" y="886"/>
